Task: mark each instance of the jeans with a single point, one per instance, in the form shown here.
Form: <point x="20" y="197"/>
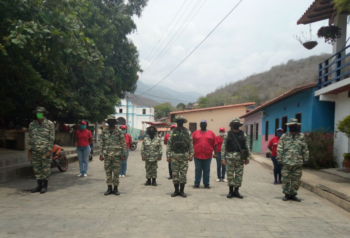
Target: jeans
<point x="124" y="165"/>
<point x="170" y="172"/>
<point x="202" y="166"/>
<point x="83" y="156"/>
<point x="276" y="169"/>
<point x="221" y="168"/>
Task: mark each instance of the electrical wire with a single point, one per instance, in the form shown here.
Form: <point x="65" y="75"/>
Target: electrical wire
<point x="164" y="98"/>
<point x="194" y="48"/>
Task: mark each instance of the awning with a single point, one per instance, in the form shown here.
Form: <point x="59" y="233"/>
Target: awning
<point x="157" y="124"/>
<point x="318" y="11"/>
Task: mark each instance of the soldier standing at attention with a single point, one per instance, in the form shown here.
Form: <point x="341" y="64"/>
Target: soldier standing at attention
<point x="292" y="153"/>
<point x="40" y="143"/>
<point x="151" y="152"/>
<point x="112" y="151"/>
<point x="166" y="138"/>
<point x="179" y="152"/>
<point x="235" y="152"/>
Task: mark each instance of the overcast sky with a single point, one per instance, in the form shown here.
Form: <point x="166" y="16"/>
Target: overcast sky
<point x="257" y="35"/>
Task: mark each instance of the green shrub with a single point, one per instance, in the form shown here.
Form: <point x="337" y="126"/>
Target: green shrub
<point x="344" y="126"/>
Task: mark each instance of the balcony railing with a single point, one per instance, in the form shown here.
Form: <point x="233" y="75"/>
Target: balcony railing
<point x="333" y="69"/>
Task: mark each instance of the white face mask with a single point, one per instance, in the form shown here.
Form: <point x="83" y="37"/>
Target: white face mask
<point x="222" y="133"/>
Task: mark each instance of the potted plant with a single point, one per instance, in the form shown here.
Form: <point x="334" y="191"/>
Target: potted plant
<point x="308" y="44"/>
<point x="344" y="127"/>
<point x="329" y="33"/>
<point x="346" y="161"/>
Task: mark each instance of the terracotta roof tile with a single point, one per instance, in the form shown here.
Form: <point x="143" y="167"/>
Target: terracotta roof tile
<point x="214" y="108"/>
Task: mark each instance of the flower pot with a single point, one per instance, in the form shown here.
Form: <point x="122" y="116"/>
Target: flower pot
<point x="346" y="161"/>
<point x="310" y="44"/>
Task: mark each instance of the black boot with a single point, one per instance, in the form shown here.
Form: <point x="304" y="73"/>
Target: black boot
<point x="294" y="198"/>
<point x="230" y="194"/>
<point x="148" y="182"/>
<point x="182" y="193"/>
<point x="285" y="198"/>
<point x="236" y="193"/>
<point x="44" y="189"/>
<point x="176" y="186"/>
<point x="109" y="190"/>
<point x="170" y="177"/>
<point x="154" y="183"/>
<point x="38" y="188"/>
<point x="116" y="192"/>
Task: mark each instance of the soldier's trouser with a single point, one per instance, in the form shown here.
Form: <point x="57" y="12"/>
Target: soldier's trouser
<point x="179" y="167"/>
<point x="112" y="168"/>
<point x="291" y="179"/>
<point x="234" y="169"/>
<point x="41" y="165"/>
<point x="151" y="169"/>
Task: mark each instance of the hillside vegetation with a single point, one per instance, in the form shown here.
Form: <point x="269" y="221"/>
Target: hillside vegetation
<point x="267" y="85"/>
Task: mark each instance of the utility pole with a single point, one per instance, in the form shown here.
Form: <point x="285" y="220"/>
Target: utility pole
<point x="127" y="112"/>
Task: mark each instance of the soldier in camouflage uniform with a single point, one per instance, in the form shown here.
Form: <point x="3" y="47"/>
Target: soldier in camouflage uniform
<point x="235" y="141"/>
<point x="179" y="152"/>
<point x="112" y="150"/>
<point x="292" y="153"/>
<point x="151" y="152"/>
<point x="40" y="143"/>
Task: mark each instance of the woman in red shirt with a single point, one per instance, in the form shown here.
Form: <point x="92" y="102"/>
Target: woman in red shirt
<point x="221" y="169"/>
<point x="273" y="147"/>
<point x="128" y="142"/>
<point x="83" y="140"/>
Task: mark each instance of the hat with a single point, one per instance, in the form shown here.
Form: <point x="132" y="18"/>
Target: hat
<point x="149" y="128"/>
<point x="236" y="120"/>
<point x="293" y="121"/>
<point x="123" y="127"/>
<point x="83" y="122"/>
<point x="111" y="117"/>
<point x="279" y="129"/>
<point x="222" y="129"/>
<point x="40" y="109"/>
<point x="204" y="121"/>
<point x="180" y="118"/>
<point x="173" y="126"/>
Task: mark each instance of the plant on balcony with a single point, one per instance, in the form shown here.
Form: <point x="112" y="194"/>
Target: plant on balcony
<point x="341" y="6"/>
<point x="344" y="127"/>
<point x="329" y="33"/>
<point x="307" y="43"/>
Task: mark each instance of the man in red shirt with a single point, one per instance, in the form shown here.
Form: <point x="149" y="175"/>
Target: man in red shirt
<point x="273" y="147"/>
<point x="203" y="145"/>
<point x="128" y="142"/>
<point x="166" y="138"/>
<point x="221" y="169"/>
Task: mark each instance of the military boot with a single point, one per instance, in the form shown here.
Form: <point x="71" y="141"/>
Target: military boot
<point x="182" y="193"/>
<point x="154" y="183"/>
<point x="38" y="188"/>
<point x="44" y="189"/>
<point x="236" y="193"/>
<point x="115" y="191"/>
<point x="294" y="198"/>
<point x="286" y="197"/>
<point x="230" y="194"/>
<point x="148" y="182"/>
<point x="174" y="194"/>
<point x="109" y="190"/>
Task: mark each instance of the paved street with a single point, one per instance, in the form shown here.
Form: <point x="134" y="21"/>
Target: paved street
<point x="76" y="207"/>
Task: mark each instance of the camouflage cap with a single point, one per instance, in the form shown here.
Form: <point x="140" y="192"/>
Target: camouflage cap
<point x="111" y="117"/>
<point x="150" y="127"/>
<point x="293" y="121"/>
<point x="236" y="120"/>
<point x="180" y="118"/>
<point x="40" y="109"/>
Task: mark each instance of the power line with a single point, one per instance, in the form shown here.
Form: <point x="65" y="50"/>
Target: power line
<point x="195" y="48"/>
<point x="164" y="98"/>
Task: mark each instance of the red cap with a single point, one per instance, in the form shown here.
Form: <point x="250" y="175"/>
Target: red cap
<point x="123" y="127"/>
<point x="222" y="129"/>
<point x="83" y="122"/>
<point x="172" y="126"/>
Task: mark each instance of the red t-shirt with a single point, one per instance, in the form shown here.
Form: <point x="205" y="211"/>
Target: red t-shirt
<point x="128" y="140"/>
<point x="273" y="143"/>
<point x="203" y="144"/>
<point x="218" y="143"/>
<point x="166" y="138"/>
<point x="83" y="137"/>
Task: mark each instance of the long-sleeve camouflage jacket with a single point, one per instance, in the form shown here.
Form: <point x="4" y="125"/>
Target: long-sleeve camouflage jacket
<point x="189" y="140"/>
<point x="226" y="155"/>
<point x="151" y="150"/>
<point x="292" y="150"/>
<point x="41" y="136"/>
<point x="112" y="144"/>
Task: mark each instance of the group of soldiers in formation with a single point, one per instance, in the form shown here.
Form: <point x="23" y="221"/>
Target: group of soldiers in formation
<point x="292" y="153"/>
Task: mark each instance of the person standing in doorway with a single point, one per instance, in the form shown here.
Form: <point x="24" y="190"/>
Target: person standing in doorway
<point x="166" y="138"/>
<point x="204" y="146"/>
<point x="83" y="140"/>
<point x="221" y="169"/>
<point x="128" y="142"/>
<point x="273" y="148"/>
<point x="40" y="143"/>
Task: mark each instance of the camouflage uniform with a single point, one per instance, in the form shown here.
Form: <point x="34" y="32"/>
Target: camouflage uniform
<point x="112" y="148"/>
<point x="292" y="152"/>
<point x="151" y="150"/>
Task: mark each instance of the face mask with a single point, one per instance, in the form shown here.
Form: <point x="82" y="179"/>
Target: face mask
<point x="293" y="129"/>
<point x="82" y="127"/>
<point x="203" y="126"/>
<point x="180" y="123"/>
<point x="222" y="133"/>
<point x="40" y="115"/>
<point x="151" y="133"/>
<point x="111" y="123"/>
<point x="235" y="126"/>
<point x="124" y="131"/>
<point x="279" y="134"/>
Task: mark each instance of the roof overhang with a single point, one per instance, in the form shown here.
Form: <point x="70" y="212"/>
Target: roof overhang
<point x="157" y="124"/>
<point x="335" y="88"/>
<point x="215" y="108"/>
<point x="318" y="11"/>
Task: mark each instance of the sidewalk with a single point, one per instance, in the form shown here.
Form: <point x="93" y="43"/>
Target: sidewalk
<point x="329" y="184"/>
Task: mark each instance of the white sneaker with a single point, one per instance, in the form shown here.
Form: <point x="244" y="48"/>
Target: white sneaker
<point x="218" y="180"/>
<point x="123" y="176"/>
<point x="85" y="175"/>
<point x="225" y="180"/>
<point x="79" y="175"/>
<point x="120" y="176"/>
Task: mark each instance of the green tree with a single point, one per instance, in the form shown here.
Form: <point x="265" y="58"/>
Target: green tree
<point x="203" y="102"/>
<point x="181" y="106"/>
<point x="163" y="110"/>
<point x="341" y="6"/>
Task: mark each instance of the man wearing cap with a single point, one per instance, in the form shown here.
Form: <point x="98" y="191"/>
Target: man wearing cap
<point x="40" y="143"/>
<point x="204" y="146"/>
<point x="128" y="142"/>
<point x="166" y="138"/>
<point x="221" y="169"/>
<point x="151" y="152"/>
<point x="112" y="150"/>
<point x="235" y="153"/>
<point x="179" y="152"/>
<point x="292" y="153"/>
<point x="273" y="148"/>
